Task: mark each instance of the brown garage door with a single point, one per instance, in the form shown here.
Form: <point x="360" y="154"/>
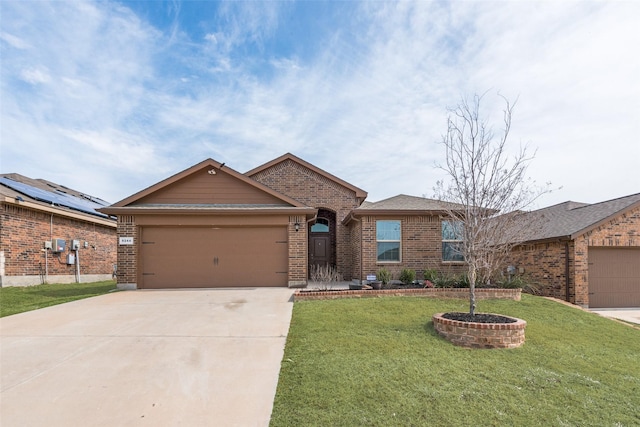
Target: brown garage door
<point x="614" y="277"/>
<point x="198" y="257"/>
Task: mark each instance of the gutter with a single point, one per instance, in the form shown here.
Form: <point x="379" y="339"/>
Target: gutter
<point x="567" y="281"/>
<point x="60" y="212"/>
<point x="309" y="212"/>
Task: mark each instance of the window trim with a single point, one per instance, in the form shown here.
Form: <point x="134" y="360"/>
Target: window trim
<point x="459" y="241"/>
<point x="399" y="241"/>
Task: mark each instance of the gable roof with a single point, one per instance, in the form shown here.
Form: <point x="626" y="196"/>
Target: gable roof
<point x="571" y="219"/>
<point x="403" y="204"/>
<point x="139" y="202"/>
<point x="360" y="193"/>
<point x="50" y="197"/>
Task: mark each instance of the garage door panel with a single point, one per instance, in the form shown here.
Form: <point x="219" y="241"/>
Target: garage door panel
<point x="178" y="257"/>
<point x="614" y="277"/>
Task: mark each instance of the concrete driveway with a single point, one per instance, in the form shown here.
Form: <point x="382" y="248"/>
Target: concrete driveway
<point x="156" y="358"/>
<point x="631" y="315"/>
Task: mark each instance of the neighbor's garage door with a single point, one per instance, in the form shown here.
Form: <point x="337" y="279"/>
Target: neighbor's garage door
<point x="197" y="257"/>
<point x="614" y="277"/>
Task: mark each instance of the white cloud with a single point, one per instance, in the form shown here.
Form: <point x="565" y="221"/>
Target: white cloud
<point x="35" y="75"/>
<point x="13" y="41"/>
<point x="127" y="104"/>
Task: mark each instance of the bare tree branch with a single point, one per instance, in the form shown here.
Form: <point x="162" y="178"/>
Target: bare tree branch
<point x="491" y="186"/>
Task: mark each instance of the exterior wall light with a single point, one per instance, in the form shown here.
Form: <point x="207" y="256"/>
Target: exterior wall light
<point x="297" y="226"/>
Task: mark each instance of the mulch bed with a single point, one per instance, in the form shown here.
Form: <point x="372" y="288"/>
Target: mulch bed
<point x="478" y="318"/>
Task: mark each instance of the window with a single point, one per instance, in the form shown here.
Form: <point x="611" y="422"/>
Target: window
<point x="452" y="240"/>
<point x="321" y="226"/>
<point x="388" y="240"/>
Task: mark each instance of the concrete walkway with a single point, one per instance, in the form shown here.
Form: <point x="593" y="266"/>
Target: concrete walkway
<point x="631" y="315"/>
<point x="156" y="358"/>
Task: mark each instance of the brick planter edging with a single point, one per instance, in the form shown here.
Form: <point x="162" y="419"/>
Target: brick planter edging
<point x="481" y="294"/>
<point x="481" y="335"/>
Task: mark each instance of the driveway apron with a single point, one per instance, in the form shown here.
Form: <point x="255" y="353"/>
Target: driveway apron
<point x="157" y="358"/>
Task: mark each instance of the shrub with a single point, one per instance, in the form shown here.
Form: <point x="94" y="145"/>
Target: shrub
<point x="461" y="281"/>
<point x="324" y="275"/>
<point x="443" y="281"/>
<point x="520" y="282"/>
<point x="431" y="275"/>
<point x="384" y="276"/>
<point x="407" y="276"/>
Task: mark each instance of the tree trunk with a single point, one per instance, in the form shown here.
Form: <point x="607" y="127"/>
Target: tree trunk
<point x="472" y="291"/>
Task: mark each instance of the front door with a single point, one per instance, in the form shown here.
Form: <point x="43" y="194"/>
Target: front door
<point x="322" y="241"/>
<point x="319" y="253"/>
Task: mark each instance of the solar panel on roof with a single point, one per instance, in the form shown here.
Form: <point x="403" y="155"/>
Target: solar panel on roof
<point x="58" y="198"/>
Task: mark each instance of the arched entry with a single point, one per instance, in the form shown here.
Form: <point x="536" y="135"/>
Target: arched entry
<point x="322" y="240"/>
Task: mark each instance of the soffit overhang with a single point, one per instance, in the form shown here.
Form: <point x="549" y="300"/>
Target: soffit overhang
<point x="209" y="210"/>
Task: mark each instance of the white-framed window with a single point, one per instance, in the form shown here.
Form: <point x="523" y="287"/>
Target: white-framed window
<point x="388" y="240"/>
<point x="452" y="235"/>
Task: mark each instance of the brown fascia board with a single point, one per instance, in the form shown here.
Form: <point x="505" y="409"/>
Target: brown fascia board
<point x="559" y="239"/>
<point x="142" y="210"/>
<point x="203" y="164"/>
<point x="360" y="193"/>
<point x="605" y="220"/>
<point x="389" y="212"/>
<point x="60" y="212"/>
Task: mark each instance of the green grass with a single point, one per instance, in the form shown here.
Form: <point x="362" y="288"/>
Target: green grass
<point x="15" y="300"/>
<point x="379" y="362"/>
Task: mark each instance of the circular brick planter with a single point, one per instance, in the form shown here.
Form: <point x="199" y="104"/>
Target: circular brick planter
<point x="481" y="335"/>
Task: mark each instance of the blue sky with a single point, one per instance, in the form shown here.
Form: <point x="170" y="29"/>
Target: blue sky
<point x="110" y="97"/>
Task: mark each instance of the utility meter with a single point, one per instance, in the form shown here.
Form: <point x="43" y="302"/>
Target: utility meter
<point x="59" y="245"/>
<point x="75" y="245"/>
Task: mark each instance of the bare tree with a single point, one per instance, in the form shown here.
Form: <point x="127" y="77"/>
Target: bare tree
<point x="492" y="187"/>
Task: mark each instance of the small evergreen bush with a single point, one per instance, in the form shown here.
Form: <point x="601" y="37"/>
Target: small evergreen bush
<point x="407" y="276"/>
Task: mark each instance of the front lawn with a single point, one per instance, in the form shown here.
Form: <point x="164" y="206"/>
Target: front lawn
<point x="18" y="299"/>
<point x="379" y="362"/>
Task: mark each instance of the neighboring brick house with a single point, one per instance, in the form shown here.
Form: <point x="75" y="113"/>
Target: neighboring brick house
<point x="587" y="254"/>
<point x="39" y="221"/>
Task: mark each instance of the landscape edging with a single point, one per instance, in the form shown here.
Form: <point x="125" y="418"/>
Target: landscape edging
<point x="481" y="294"/>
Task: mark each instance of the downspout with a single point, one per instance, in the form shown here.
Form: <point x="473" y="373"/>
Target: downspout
<point x="567" y="295"/>
<point x="77" y="265"/>
<point x="360" y="261"/>
<point x="46" y="255"/>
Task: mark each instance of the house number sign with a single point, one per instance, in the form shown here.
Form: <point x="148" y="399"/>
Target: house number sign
<point x="126" y="240"/>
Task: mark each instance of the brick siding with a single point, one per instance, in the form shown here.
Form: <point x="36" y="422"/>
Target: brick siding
<point x="23" y="232"/>
<point x="128" y="254"/>
<point x="544" y="263"/>
<point x="622" y="231"/>
<point x="421" y="247"/>
<point x="314" y="190"/>
<point x="297" y="252"/>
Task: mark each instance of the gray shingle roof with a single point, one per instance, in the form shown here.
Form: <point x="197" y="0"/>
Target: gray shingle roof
<point x="574" y="218"/>
<point x="405" y="203"/>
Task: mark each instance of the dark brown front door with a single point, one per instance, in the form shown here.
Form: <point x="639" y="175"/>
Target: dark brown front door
<point x="319" y="251"/>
